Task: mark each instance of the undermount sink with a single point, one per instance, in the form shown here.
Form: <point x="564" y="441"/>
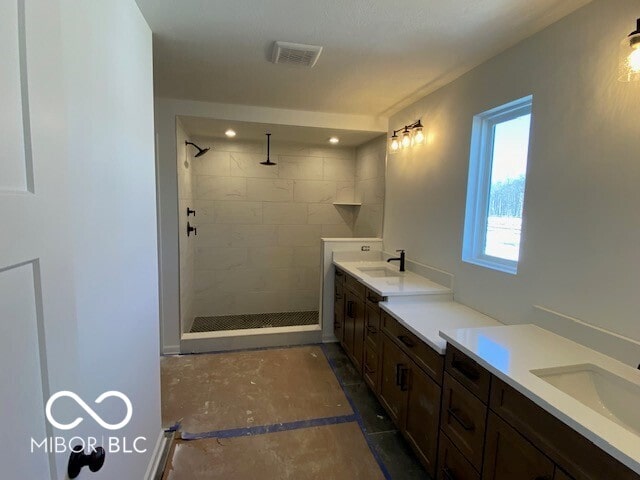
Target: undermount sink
<point x="602" y="391"/>
<point x="379" y="272"/>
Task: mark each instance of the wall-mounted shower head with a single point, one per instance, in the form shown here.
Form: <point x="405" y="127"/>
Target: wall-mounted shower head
<point x="268" y="160"/>
<point x="201" y="151"/>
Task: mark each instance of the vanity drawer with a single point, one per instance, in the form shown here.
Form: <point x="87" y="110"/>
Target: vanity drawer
<point x="355" y="286"/>
<point x="468" y="373"/>
<point x="426" y="357"/>
<point x="372" y="297"/>
<point x="463" y="420"/>
<point x="451" y="463"/>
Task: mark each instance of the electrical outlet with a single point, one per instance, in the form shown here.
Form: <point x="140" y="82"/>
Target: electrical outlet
<point x="365" y="248"/>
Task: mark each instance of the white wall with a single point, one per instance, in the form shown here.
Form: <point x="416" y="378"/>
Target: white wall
<point x="166" y="111"/>
<point x="186" y="198"/>
<point x="370" y="174"/>
<point x="109" y="93"/>
<point x="581" y="235"/>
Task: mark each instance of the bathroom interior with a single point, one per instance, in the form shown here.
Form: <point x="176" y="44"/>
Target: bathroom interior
<point x="466" y="243"/>
<point x="254" y="201"/>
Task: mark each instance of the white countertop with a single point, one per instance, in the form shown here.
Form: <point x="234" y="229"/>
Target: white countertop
<point x="406" y="283"/>
<point x="426" y="318"/>
<point x="511" y="352"/>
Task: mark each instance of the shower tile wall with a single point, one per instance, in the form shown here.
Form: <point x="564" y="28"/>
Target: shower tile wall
<point x="369" y="187"/>
<point x="259" y="227"/>
<point x="186" y="186"/>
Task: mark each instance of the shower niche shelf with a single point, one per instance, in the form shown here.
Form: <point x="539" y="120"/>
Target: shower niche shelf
<point x="347" y="204"/>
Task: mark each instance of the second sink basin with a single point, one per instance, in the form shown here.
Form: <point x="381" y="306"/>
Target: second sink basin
<point x="604" y="392"/>
<point x="379" y="272"/>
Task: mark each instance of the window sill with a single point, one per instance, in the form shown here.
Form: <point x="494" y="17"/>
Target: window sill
<point x="505" y="266"/>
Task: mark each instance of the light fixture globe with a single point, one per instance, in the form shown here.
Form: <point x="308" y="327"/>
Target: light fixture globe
<point x="418" y="134"/>
<point x="630" y="57"/>
<point x="406" y="138"/>
<point x="394" y="144"/>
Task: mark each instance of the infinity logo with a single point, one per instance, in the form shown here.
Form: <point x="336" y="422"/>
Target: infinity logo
<point x="89" y="410"/>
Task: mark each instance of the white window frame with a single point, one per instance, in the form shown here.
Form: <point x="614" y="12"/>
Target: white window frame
<point x="479" y="184"/>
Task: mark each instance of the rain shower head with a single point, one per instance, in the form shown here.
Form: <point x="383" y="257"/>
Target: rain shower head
<point x="201" y="151"/>
<point x="268" y="160"/>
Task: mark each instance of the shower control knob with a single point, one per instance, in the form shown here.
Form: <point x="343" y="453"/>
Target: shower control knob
<point x="191" y="228"/>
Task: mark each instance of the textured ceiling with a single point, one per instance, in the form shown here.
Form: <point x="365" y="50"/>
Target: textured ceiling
<point x="379" y="55"/>
<point x="198" y="127"/>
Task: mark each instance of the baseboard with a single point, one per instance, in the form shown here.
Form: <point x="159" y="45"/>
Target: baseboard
<point x="155" y="470"/>
<point x="170" y="349"/>
<point x="202" y="343"/>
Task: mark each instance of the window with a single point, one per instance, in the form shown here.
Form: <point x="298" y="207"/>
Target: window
<point x="495" y="192"/>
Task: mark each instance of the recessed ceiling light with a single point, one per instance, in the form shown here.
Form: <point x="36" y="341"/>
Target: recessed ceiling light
<point x="230" y="133"/>
<point x="334" y="140"/>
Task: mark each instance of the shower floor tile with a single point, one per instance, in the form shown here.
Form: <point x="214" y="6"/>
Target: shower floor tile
<point x="334" y="451"/>
<point x="257" y="320"/>
<point x="212" y="392"/>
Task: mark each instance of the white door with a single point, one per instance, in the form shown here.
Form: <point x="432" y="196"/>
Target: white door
<point x="78" y="256"/>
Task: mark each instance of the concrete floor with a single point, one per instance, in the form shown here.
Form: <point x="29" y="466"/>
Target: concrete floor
<point x="287" y="413"/>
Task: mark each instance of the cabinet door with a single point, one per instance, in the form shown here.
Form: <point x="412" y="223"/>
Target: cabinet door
<point x="372" y="325"/>
<point x="451" y="463"/>
<point x="370" y="369"/>
<point x="338" y="312"/>
<point x="358" y="332"/>
<point x="464" y="419"/>
<point x="394" y="365"/>
<point x="423" y="417"/>
<point x="508" y="455"/>
<point x="349" y="321"/>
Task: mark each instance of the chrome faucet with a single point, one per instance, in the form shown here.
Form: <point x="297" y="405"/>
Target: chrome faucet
<point x="400" y="258"/>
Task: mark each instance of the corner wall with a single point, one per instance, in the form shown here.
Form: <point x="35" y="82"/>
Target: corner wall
<point x="581" y="234"/>
<point x="370" y="176"/>
<point x="186" y="187"/>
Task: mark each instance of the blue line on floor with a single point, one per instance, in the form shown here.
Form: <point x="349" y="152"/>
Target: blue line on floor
<point x="358" y="418"/>
<point x="278" y="427"/>
<point x="240" y="350"/>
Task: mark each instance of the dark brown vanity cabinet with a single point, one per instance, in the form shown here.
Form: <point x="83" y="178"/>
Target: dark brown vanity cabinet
<point x="410" y="395"/>
<point x="354" y="321"/>
<point x="338" y="306"/>
<point x="463" y="422"/>
<point x="491" y="431"/>
<point x="372" y="334"/>
<point x="509" y="455"/>
<point x="422" y="417"/>
<point x="394" y="380"/>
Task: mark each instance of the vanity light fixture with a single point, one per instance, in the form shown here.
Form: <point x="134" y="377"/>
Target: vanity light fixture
<point x="630" y="56"/>
<point x="230" y="133"/>
<point x="411" y="135"/>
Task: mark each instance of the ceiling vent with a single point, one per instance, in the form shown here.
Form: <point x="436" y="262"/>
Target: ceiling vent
<point x="296" y="54"/>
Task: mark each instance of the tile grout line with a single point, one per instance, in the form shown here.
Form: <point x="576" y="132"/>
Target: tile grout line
<point x="357" y="416"/>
